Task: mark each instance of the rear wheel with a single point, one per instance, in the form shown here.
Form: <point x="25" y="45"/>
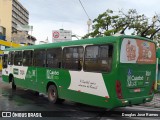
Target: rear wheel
<point x="36" y="93"/>
<point x="60" y="100"/>
<point x="52" y="94"/>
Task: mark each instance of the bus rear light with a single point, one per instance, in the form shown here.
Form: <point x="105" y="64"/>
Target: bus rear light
<point x="124" y="101"/>
<point x="148" y="99"/>
<point x="152" y="88"/>
<point x="118" y="89"/>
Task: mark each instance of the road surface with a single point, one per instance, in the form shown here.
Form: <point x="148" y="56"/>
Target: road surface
<point x="23" y="100"/>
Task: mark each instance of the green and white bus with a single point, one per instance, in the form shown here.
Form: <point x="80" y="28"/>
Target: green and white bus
<point x="108" y="72"/>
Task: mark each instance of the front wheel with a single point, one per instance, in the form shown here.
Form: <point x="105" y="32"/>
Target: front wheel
<point x="52" y="93"/>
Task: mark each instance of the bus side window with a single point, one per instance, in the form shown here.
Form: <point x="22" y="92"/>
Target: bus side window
<point x="28" y="58"/>
<point x="10" y="58"/>
<point x="18" y="58"/>
<point x="40" y="58"/>
<point x="54" y="57"/>
<point x="5" y="57"/>
<point x="98" y="58"/>
<point x="105" y="54"/>
<point x="73" y="58"/>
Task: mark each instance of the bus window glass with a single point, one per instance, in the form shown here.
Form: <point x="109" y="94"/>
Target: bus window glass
<point x="54" y="57"/>
<point x="40" y="58"/>
<point x="10" y="58"/>
<point x="98" y="58"/>
<point x="72" y="58"/>
<point x="18" y="58"/>
<point x="5" y="57"/>
<point x="27" y="58"/>
<point x="137" y="51"/>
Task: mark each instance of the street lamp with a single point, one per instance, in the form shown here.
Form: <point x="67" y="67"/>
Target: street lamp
<point x="89" y="23"/>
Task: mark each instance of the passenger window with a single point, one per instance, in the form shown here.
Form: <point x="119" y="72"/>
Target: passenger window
<point x="40" y="58"/>
<point x="18" y="58"/>
<point x="10" y="58"/>
<point x="73" y="58"/>
<point x="5" y="57"/>
<point x="54" y="57"/>
<point x="28" y="58"/>
<point x="98" y="58"/>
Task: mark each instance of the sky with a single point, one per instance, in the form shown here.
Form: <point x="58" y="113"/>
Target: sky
<point x="48" y="15"/>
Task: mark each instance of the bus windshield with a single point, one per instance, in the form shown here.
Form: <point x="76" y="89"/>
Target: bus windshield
<point x="137" y="51"/>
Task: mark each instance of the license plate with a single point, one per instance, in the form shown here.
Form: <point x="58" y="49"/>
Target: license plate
<point x="137" y="90"/>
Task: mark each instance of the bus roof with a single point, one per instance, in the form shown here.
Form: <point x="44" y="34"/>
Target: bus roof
<point x="98" y="40"/>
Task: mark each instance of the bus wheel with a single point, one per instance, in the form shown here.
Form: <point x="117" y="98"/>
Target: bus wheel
<point x="13" y="84"/>
<point x="60" y="100"/>
<point x="36" y="93"/>
<point x="52" y="94"/>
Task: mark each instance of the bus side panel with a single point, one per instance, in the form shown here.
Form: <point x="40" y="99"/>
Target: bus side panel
<point x="59" y="77"/>
<point x="5" y="78"/>
<point x="93" y="91"/>
<point x="30" y="78"/>
<point x="5" y="75"/>
<point x="19" y="73"/>
<point x="84" y="87"/>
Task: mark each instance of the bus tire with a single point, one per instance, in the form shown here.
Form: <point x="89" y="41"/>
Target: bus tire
<point x="52" y="94"/>
<point x="60" y="100"/>
<point x="36" y="93"/>
<point x="13" y="84"/>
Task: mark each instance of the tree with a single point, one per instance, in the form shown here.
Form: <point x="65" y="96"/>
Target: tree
<point x="109" y="23"/>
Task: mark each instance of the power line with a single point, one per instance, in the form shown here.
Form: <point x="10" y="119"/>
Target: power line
<point x="84" y="9"/>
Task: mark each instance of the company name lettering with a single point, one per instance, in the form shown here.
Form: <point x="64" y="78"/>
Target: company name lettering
<point x="53" y="72"/>
<point x="136" y="78"/>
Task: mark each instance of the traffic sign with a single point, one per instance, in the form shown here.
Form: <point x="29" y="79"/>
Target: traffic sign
<point x="56" y="34"/>
<point x="61" y="35"/>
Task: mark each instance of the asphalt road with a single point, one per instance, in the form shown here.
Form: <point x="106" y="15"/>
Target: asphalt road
<point x="23" y="100"/>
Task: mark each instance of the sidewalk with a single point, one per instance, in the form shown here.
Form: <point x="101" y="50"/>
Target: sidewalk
<point x="155" y="103"/>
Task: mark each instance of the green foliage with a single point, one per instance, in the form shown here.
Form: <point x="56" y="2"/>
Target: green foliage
<point x="110" y="23"/>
